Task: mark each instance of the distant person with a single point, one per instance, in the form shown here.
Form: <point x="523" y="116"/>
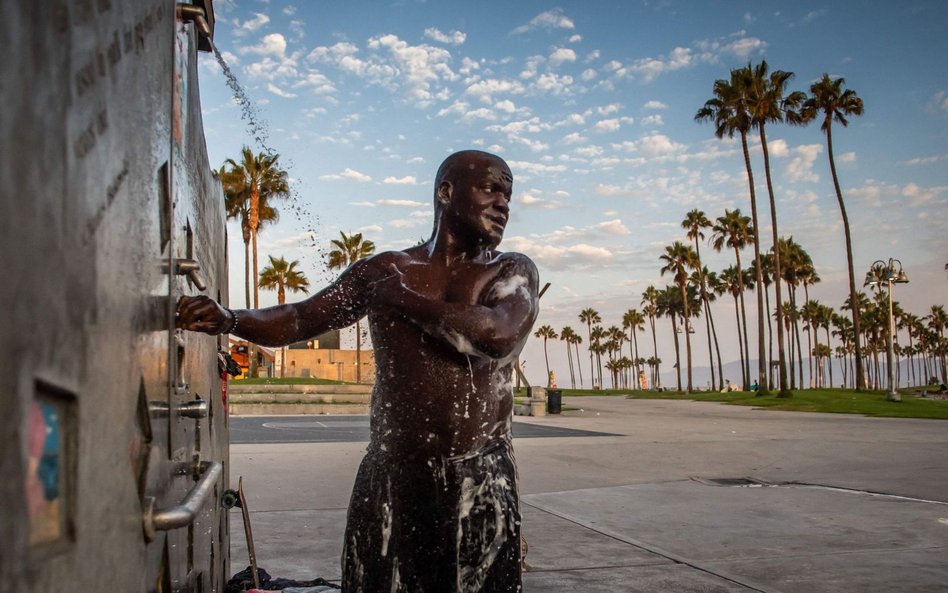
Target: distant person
<point x="754" y="386"/>
<point x="435" y="507"/>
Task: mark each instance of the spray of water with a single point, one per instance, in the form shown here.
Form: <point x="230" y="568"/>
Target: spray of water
<point x="259" y="130"/>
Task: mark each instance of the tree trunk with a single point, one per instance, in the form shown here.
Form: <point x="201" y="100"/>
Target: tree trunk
<point x="684" y="300"/>
<point x="579" y="366"/>
<point x="677" y="352"/>
<point x="853" y="299"/>
<point x="745" y="367"/>
<point x="740" y="347"/>
<point x="651" y="320"/>
<point x="717" y="349"/>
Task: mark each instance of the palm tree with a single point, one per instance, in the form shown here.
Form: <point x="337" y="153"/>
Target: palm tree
<point x="547" y="333"/>
<point x="828" y="98"/>
<point x="596" y="346"/>
<point x="576" y="340"/>
<point x="670" y="305"/>
<point x="734" y="280"/>
<point x="937" y="321"/>
<point x="768" y="105"/>
<point x="237" y="206"/>
<point x="348" y="249"/>
<point x="650" y="308"/>
<point x="589" y="316"/>
<point x="735" y="230"/>
<point x="731" y="111"/>
<point x="711" y="281"/>
<point x="566" y="336"/>
<point x="679" y="258"/>
<point x="633" y="321"/>
<point x="260" y="179"/>
<point x="280" y="276"/>
<point x="695" y="221"/>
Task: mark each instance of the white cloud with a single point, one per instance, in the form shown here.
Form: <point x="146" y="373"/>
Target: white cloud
<point x="557" y="258"/>
<point x="407" y="180"/>
<point x="273" y="44"/>
<point x="452" y="38"/>
<point x="800" y="167"/>
<point x="658" y="145"/>
<point x="290" y="10"/>
<point x="653" y="120"/>
<point x="253" y="24"/>
<point x="485" y="89"/>
<point x="347" y="174"/>
<point x="613" y="227"/>
<point x="553" y="83"/>
<point x="562" y="55"/>
<point x="847" y="157"/>
<point x="653" y="104"/>
<point x="551" y="19"/>
<point x="778" y="148"/>
<point x="575" y="38"/>
<point x="279" y="92"/>
<point x="606" y="126"/>
<point x="928" y="160"/>
<point x="401" y="203"/>
<point x="318" y="85"/>
<point x="649" y="68"/>
<point x="507" y="106"/>
<point x="574" y="138"/>
<point x="588" y="74"/>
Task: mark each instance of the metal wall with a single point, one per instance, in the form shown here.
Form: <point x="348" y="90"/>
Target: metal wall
<point x="107" y="200"/>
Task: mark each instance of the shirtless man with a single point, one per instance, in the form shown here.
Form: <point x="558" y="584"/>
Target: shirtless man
<point x="435" y="507"/>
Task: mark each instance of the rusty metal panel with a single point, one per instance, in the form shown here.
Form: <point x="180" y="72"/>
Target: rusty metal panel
<point x="105" y="184"/>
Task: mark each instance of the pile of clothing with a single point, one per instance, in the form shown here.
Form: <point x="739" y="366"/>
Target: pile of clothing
<point x="242" y="582"/>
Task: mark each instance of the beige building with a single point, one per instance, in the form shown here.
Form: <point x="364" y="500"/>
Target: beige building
<point x="324" y="363"/>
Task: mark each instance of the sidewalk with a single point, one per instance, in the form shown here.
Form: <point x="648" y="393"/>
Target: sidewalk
<point x="831" y="503"/>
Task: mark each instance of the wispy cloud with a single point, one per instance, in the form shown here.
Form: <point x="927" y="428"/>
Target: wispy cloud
<point x="551" y="19"/>
<point x="452" y="38"/>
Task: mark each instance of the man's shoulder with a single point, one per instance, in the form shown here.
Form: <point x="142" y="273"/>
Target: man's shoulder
<point x="514" y="261"/>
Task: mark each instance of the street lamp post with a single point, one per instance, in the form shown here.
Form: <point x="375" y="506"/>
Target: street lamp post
<point x="890" y="274"/>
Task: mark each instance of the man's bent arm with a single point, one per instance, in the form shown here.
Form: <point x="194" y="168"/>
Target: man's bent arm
<point x="496" y="329"/>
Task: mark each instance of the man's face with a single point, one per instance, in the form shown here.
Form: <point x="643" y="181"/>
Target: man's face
<point x="480" y="199"/>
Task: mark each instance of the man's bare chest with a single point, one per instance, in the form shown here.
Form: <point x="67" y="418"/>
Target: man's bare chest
<point x="467" y="283"/>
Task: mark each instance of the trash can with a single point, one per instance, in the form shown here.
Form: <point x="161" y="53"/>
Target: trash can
<point x="554" y="401"/>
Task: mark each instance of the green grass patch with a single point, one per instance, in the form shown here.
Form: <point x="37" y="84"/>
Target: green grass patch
<point x="835" y="401"/>
<point x="522" y="392"/>
<point x="285" y="381"/>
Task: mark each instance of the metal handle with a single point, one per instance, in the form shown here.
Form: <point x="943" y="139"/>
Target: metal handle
<point x="180" y="383"/>
<point x="194" y="409"/>
<point x="191" y="269"/>
<point x="184" y="513"/>
<point x="189" y="12"/>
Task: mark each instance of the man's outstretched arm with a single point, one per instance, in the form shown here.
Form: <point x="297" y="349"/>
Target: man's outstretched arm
<point x="496" y="327"/>
<point x="338" y="305"/>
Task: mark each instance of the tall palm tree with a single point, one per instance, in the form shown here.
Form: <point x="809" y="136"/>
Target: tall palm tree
<point x="633" y="321"/>
<point x="261" y="180"/>
<point x="576" y="339"/>
<point x="827" y="98"/>
<point x="237" y="206"/>
<point x="347" y="250"/>
<point x="730" y="110"/>
<point x="650" y="308"/>
<point x="547" y="333"/>
<point x="768" y="104"/>
<point x="670" y="305"/>
<point x="282" y="276"/>
<point x="735" y="230"/>
<point x="937" y="321"/>
<point x="589" y="316"/>
<point x="711" y="281"/>
<point x="679" y="259"/>
<point x="695" y="222"/>
<point x="596" y="337"/>
<point x="566" y="336"/>
<point x="734" y="280"/>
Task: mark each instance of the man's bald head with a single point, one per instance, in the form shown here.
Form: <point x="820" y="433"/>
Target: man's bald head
<point x="458" y="164"/>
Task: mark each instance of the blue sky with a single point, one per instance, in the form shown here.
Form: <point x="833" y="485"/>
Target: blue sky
<point x="592" y="105"/>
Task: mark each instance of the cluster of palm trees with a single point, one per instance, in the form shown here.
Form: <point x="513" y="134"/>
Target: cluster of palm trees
<point x="251" y="185"/>
<point x="919" y="341"/>
<point x="751" y="99"/>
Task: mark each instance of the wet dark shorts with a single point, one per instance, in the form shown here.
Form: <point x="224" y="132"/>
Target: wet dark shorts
<point x="442" y="525"/>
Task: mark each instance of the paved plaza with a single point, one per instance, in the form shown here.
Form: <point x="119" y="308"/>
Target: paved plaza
<point x="652" y="496"/>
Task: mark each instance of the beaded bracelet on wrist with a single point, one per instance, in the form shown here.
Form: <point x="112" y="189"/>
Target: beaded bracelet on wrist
<point x="233" y="324"/>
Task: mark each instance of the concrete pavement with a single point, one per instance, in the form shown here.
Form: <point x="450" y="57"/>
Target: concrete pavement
<point x="811" y="502"/>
